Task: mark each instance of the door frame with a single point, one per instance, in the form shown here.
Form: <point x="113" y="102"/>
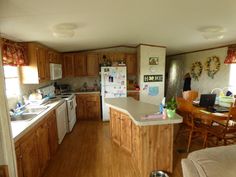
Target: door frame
<point x="7" y="148"/>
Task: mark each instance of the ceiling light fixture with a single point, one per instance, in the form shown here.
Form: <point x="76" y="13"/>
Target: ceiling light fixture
<point x="212" y="32"/>
<point x="64" y="30"/>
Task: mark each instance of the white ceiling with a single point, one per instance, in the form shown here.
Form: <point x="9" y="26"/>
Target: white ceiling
<point x="104" y="23"/>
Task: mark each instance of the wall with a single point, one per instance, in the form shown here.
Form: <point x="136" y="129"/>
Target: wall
<point x="144" y="52"/>
<point x="205" y="84"/>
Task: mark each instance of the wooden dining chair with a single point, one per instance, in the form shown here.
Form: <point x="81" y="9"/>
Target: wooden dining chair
<point x="225" y="129"/>
<point x="190" y="95"/>
<point x="191" y="124"/>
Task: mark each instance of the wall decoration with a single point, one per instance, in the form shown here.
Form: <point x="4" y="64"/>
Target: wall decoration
<point x="153" y="61"/>
<point x="153" y="91"/>
<point x="212" y="66"/>
<point x="196" y="70"/>
<point x="153" y="78"/>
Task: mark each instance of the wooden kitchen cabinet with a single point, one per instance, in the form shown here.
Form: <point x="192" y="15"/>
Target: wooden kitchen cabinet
<point x="30" y="157"/>
<point x="131" y="63"/>
<point x="53" y="136"/>
<point x="92" y="64"/>
<point x="19" y="162"/>
<point x="125" y="132"/>
<point x="88" y="107"/>
<point x="34" y="149"/>
<point x="43" y="145"/>
<point x="80" y="64"/>
<point x="115" y="125"/>
<point x="135" y="95"/>
<point x="68" y="65"/>
<point x="38" y="69"/>
<point x="54" y="57"/>
<point x="121" y="129"/>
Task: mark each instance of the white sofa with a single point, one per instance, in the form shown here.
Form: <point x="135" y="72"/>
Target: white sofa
<point x="211" y="162"/>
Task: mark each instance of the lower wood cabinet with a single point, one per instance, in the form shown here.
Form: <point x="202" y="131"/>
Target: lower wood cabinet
<point x="88" y="107"/>
<point x="135" y="95"/>
<point x="151" y="146"/>
<point x="34" y="150"/>
<point x="125" y="132"/>
<point x="121" y="129"/>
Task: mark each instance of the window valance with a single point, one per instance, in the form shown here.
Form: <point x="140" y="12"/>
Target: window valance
<point x="231" y="56"/>
<point x="14" y="53"/>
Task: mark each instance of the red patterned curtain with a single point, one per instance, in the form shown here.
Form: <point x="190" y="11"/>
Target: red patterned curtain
<point x="231" y="56"/>
<point x="14" y="53"/>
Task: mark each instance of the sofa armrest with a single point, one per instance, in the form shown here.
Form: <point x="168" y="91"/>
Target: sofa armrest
<point x="189" y="169"/>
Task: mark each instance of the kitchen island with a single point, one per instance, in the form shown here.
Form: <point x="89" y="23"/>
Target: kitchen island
<point x="149" y="141"/>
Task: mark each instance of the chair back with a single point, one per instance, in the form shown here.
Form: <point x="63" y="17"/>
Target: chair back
<point x="190" y="95"/>
<point x="185" y="109"/>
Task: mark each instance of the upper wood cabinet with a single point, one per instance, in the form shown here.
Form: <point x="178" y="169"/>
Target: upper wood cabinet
<point x="38" y="69"/>
<point x="68" y="65"/>
<point x="92" y="64"/>
<point x="131" y="63"/>
<point x="80" y="67"/>
<point x="54" y="57"/>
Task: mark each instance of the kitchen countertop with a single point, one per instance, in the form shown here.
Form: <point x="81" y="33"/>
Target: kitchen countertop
<point x="92" y="92"/>
<point x="20" y="128"/>
<point x="136" y="109"/>
<point x="132" y="90"/>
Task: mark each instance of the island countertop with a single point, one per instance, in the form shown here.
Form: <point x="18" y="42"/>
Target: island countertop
<point x="136" y="110"/>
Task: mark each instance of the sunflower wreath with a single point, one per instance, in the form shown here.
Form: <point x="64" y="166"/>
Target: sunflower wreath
<point x="196" y="70"/>
<point x="212" y="66"/>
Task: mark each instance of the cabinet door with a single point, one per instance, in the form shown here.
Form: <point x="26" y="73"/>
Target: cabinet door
<point x="68" y="65"/>
<point x="30" y="157"/>
<point x="80" y="65"/>
<point x="43" y="64"/>
<point x="136" y="145"/>
<point x="131" y="63"/>
<point x="92" y="107"/>
<point x="53" y="136"/>
<point x="92" y="64"/>
<point x="19" y="162"/>
<point x="43" y="146"/>
<point x="125" y="133"/>
<point x="80" y="109"/>
<point x="116" y="126"/>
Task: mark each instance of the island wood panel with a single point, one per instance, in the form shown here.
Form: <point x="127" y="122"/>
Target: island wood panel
<point x="151" y="146"/>
<point x="4" y="171"/>
<point x="156" y="149"/>
<point x="125" y="132"/>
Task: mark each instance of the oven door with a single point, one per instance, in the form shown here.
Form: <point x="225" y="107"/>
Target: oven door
<point x="71" y="108"/>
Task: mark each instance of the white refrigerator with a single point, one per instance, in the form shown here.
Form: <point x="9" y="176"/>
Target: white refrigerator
<point x="113" y="85"/>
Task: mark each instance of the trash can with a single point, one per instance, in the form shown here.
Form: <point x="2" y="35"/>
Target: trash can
<point x="158" y="174"/>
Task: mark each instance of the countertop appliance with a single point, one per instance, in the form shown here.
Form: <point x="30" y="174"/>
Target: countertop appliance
<point x="113" y="85"/>
<point x="61" y="116"/>
<point x="55" y="71"/>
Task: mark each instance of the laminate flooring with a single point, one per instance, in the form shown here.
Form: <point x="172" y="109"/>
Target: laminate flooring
<point x="89" y="152"/>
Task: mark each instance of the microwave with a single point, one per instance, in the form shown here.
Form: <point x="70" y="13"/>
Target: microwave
<point x="55" y="71"/>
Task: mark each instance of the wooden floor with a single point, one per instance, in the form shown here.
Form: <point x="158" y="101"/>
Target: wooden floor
<point x="89" y="152"/>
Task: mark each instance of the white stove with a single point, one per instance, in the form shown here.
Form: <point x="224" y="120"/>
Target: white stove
<point x="71" y="109"/>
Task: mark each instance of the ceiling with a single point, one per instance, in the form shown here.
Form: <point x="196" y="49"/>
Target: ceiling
<point x="103" y="23"/>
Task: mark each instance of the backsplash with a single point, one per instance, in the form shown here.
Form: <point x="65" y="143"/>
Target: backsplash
<point x="78" y="82"/>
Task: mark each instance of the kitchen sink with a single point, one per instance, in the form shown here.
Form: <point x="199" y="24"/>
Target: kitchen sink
<point x="29" y="113"/>
<point x="25" y="117"/>
<point x="34" y="110"/>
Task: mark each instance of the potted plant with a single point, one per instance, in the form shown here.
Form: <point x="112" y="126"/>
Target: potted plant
<point x="171" y="107"/>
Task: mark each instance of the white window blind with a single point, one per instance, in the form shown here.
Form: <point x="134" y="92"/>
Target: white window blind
<point x="12" y="81"/>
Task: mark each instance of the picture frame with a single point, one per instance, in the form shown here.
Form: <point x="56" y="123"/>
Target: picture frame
<point x="153" y="60"/>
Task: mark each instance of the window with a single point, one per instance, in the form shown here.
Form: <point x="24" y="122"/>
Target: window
<point x="12" y="81"/>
